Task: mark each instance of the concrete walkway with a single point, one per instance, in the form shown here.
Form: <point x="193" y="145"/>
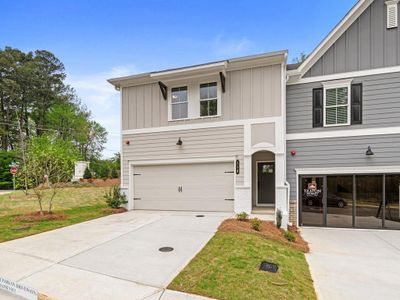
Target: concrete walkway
<point x="114" y="257"/>
<point x="354" y="263"/>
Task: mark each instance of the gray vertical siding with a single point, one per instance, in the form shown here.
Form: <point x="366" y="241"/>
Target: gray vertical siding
<point x="251" y="93"/>
<point x="367" y="44"/>
<point x="341" y="152"/>
<point x="381" y="104"/>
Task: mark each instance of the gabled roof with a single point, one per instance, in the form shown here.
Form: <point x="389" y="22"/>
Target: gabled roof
<point x="331" y="38"/>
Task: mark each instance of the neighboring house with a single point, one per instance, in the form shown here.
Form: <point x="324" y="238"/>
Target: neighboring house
<point x="206" y="138"/>
<point x="319" y="141"/>
<point x="343" y="124"/>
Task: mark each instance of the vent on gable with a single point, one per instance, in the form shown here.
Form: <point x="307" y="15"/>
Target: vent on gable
<point x="392" y="13"/>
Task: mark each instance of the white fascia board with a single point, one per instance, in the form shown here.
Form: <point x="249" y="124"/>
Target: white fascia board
<point x="191" y="71"/>
<point x="346" y="75"/>
<point x="333" y="36"/>
<point x="342" y="133"/>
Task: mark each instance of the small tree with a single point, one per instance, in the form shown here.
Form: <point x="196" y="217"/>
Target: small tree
<point x="49" y="164"/>
<point x="114" y="197"/>
<point x="87" y="174"/>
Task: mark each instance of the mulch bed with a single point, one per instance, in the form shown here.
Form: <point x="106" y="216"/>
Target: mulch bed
<point x="268" y="230"/>
<point x="36" y="216"/>
<point x="101" y="182"/>
<point x="115" y="210"/>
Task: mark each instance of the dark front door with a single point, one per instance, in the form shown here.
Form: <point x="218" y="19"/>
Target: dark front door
<point x="265" y="183"/>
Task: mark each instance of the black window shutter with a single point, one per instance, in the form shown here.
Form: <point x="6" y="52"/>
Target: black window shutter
<point x="356" y="103"/>
<point x="318" y="107"/>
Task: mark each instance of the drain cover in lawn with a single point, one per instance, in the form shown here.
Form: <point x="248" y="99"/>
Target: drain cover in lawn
<point x="268" y="267"/>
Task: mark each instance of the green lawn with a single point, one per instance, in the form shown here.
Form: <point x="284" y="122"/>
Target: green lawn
<point x="227" y="268"/>
<point x="78" y="204"/>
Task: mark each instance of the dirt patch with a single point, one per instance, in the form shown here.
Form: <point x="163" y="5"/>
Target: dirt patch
<point x="268" y="230"/>
<point x="115" y="210"/>
<point x="36" y="216"/>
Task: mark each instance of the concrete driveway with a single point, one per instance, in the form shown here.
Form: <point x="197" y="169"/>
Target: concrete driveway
<point x="114" y="257"/>
<point x="354" y="264"/>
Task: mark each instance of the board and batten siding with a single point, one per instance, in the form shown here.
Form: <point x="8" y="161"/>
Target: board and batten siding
<point x="250" y="93"/>
<point x="367" y="44"/>
<point x="381" y="104"/>
<point x="341" y="152"/>
<point x="197" y="144"/>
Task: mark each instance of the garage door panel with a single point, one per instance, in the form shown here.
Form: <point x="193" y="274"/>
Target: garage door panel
<point x="198" y="187"/>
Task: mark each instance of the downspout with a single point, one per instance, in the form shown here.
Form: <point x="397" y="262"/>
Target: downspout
<point x="287" y="185"/>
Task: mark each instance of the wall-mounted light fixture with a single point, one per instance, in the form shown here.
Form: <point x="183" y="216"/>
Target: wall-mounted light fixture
<point x="179" y="142"/>
<point x="369" y="151"/>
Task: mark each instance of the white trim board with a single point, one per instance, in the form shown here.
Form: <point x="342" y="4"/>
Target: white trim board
<point x="202" y="125"/>
<point x="348" y="170"/>
<point x="346" y="75"/>
<point x="181" y="161"/>
<point x="342" y="133"/>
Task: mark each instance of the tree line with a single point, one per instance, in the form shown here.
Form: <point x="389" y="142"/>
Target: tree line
<point x="35" y="101"/>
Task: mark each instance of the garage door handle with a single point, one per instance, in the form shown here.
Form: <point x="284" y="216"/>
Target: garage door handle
<point x="137" y="198"/>
<point x="229" y="199"/>
<point x="229" y="172"/>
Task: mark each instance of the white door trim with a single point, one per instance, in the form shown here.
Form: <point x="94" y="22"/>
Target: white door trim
<point x="261" y="204"/>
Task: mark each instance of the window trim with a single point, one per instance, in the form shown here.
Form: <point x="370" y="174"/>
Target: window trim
<point x="336" y="85"/>
<point x="187" y="102"/>
<point x="209" y="99"/>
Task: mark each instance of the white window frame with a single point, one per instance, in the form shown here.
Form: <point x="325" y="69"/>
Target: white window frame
<point x="209" y="99"/>
<point x="187" y="101"/>
<point x="336" y="85"/>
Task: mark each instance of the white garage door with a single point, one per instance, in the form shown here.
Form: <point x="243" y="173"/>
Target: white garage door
<point x="196" y="187"/>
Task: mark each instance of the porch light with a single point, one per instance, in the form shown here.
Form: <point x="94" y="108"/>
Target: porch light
<point x="179" y="142"/>
<point x="369" y="151"/>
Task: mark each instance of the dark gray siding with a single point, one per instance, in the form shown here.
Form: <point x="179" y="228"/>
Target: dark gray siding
<point x="341" y="152"/>
<point x="367" y="44"/>
<point x="381" y="104"/>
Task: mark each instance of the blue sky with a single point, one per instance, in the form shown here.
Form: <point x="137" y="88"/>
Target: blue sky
<point x="100" y="39"/>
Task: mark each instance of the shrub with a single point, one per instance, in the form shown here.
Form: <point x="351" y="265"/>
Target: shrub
<point x="278" y="218"/>
<point x="256" y="224"/>
<point x="114" y="197"/>
<point x="87" y="174"/>
<point x="290" y="236"/>
<point x="242" y="216"/>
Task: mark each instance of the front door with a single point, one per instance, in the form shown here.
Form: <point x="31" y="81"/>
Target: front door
<point x="265" y="183"/>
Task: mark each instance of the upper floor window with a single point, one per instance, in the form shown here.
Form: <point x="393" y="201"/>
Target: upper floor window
<point x="338" y="103"/>
<point x="179" y="102"/>
<point x="337" y="106"/>
<point x="208" y="99"/>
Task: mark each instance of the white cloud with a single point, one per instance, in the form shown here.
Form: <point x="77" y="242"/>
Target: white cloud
<point x="225" y="46"/>
<point x="103" y="101"/>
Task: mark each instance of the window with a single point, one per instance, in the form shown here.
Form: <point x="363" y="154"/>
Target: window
<point x="337" y="106"/>
<point x="337" y="103"/>
<point x="179" y="102"/>
<point x="208" y="99"/>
